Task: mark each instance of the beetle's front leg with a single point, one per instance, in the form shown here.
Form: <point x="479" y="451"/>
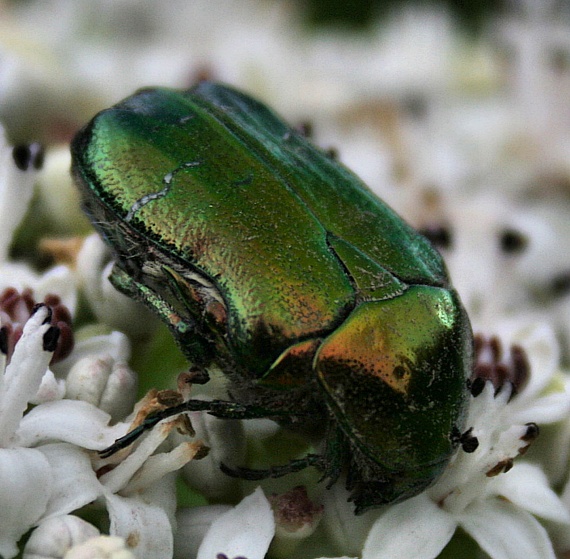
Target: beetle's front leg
<point x="182" y="325"/>
<point x="128" y="285"/>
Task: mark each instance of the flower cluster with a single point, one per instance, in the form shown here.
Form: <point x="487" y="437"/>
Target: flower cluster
<point x="466" y="139"/>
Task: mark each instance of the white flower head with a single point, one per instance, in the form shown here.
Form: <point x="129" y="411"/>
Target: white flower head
<point x="48" y="467"/>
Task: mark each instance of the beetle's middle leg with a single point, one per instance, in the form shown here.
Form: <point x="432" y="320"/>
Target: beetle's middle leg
<point x="218" y="408"/>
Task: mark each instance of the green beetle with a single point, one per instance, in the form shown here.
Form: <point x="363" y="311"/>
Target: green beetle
<point x="271" y="261"/>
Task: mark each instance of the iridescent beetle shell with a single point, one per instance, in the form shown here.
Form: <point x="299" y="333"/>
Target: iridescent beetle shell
<point x="269" y="259"/>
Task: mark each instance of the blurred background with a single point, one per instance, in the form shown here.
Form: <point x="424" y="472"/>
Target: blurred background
<point x="455" y="112"/>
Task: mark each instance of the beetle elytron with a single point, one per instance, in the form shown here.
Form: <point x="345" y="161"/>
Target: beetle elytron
<point x="270" y="260"/>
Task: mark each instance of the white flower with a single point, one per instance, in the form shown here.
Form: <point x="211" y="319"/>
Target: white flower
<point x="42" y="479"/>
<point x="244" y="531"/>
<point x="25" y="476"/>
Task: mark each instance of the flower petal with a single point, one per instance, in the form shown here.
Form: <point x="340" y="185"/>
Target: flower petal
<point x="192" y="525"/>
<point x="107" y="384"/>
<point x="114" y="345"/>
<point x="25" y="487"/>
<point x="71" y="421"/>
<point x="527" y="487"/>
<point x="416" y="528"/>
<point x="74" y="482"/>
<point x="158" y="465"/>
<point x="50" y="389"/>
<point x="504" y="531"/>
<point x="23" y="375"/>
<point x="345" y="530"/>
<point x="16" y="189"/>
<point x="145" y="527"/>
<point x="547" y="409"/>
<point x="245" y="531"/>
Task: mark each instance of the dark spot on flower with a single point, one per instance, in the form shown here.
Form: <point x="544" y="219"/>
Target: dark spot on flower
<point x="476" y="386"/>
<point x="560" y="284"/>
<point x="305" y="129"/>
<point x="512" y="241"/>
<point x="332" y="153"/>
<point x="28" y="155"/>
<point x="438" y="235"/>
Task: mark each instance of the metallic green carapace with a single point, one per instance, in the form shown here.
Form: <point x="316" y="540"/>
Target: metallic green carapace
<point x="270" y="260"/>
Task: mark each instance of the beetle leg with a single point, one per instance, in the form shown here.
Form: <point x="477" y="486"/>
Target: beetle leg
<point x="336" y="453"/>
<point x="219" y="408"/>
<point x="296" y="465"/>
<point x="182" y="326"/>
<point x="150" y="421"/>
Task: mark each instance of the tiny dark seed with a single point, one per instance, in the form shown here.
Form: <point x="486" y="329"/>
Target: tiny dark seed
<point x="470" y="444"/>
<point x="50" y="338"/>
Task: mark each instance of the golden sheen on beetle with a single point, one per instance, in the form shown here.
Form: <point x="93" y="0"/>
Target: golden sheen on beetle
<point x="272" y="262"/>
